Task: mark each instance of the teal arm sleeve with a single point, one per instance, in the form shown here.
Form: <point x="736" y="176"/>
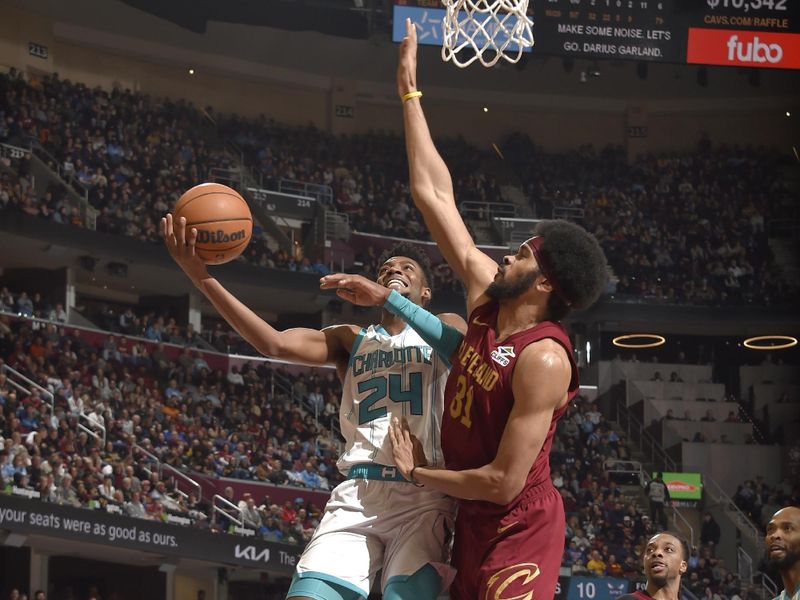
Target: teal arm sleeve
<point x="441" y="337"/>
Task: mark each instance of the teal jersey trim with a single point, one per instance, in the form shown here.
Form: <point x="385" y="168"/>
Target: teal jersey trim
<point x="354" y="349"/>
<point x="375" y="472"/>
<point x="333" y="579"/>
<point x="424" y="584"/>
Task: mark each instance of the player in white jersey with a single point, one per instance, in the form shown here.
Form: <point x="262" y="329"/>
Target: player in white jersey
<point x="376" y="521"/>
<point x="403" y="369"/>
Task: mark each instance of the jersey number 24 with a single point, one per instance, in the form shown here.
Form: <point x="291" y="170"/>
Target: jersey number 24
<point x="377" y="388"/>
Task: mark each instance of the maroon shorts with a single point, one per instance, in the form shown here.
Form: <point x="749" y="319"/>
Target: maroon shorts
<point x="516" y="554"/>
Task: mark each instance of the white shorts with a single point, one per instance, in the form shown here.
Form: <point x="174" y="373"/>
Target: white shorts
<point x="371" y="525"/>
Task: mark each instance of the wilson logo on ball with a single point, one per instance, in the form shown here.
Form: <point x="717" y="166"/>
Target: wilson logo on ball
<point x="205" y="236"/>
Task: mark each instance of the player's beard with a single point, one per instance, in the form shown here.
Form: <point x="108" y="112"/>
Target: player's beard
<point x="664" y="578"/>
<point x="791" y="557"/>
<point x="660" y="581"/>
<point x="508" y="290"/>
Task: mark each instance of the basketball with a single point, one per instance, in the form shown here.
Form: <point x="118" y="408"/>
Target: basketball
<point x="222" y="219"/>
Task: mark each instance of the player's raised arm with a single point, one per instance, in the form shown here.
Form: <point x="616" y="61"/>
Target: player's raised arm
<point x="432" y="186"/>
<point x="300" y="345"/>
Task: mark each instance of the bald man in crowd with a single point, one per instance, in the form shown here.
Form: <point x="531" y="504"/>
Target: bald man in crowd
<point x="783" y="550"/>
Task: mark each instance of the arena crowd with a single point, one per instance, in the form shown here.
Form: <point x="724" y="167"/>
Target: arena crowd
<point x="677" y="228"/>
<point x="232" y="425"/>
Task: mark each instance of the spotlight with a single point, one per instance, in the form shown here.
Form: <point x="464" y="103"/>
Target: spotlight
<point x="485" y="109"/>
<point x="639" y="340"/>
<point x="191" y="71"/>
<point x="788" y="114"/>
<point x="770" y="342"/>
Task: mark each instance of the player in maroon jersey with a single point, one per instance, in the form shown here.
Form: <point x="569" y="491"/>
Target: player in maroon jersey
<point x="665" y="563"/>
<point x="513" y="376"/>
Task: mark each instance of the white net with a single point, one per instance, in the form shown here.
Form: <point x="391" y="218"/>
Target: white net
<point x="486" y="31"/>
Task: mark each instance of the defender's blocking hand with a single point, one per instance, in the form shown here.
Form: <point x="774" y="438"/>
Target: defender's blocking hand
<point x="407" y="66"/>
<point x="406" y="448"/>
<point x="356" y="289"/>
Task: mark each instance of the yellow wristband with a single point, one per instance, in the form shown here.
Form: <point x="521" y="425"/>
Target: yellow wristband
<point x="410" y="95"/>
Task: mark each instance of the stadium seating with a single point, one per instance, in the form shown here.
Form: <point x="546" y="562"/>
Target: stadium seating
<point x="170" y="403"/>
<point x="606" y="528"/>
<point x="176" y="406"/>
<point x="759" y="500"/>
<point x="676" y="228"/>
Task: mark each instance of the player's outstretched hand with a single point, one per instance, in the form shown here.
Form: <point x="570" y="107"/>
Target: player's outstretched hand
<point x="356" y="289"/>
<point x="181" y="248"/>
<point x="407" y="66"/>
<point x="406" y="448"/>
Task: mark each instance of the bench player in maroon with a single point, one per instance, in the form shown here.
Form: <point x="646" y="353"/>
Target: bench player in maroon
<point x="664" y="564"/>
<point x="513" y="376"/>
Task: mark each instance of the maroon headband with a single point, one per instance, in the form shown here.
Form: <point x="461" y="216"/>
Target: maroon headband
<point x="545" y="267"/>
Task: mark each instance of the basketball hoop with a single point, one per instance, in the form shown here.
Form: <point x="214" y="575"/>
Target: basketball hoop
<point x="486" y="31"/>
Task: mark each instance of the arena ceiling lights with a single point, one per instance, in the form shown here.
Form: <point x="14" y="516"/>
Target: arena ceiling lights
<point x="639" y="340"/>
<point x="770" y="342"/>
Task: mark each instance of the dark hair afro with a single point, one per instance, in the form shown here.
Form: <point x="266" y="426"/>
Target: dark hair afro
<point x="413" y="252"/>
<point x="575" y="262"/>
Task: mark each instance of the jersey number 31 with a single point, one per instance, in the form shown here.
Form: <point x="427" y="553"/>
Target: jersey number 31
<point x="378" y="388"/>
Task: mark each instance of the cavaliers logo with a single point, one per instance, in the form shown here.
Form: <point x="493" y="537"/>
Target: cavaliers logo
<point x="519" y="577"/>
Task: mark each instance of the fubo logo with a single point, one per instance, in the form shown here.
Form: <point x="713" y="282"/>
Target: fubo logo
<point x="753" y="51"/>
<point x="744" y="48"/>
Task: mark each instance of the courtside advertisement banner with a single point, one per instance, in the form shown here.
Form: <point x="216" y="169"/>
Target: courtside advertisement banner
<point x="34" y="517"/>
<point x="684" y="486"/>
<point x="740" y="48"/>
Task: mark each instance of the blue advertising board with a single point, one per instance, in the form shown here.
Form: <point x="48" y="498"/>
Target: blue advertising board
<point x="429" y="26"/>
<point x="596" y="588"/>
<point x="562" y="587"/>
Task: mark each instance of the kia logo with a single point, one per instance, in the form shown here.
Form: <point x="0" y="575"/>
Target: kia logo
<point x="754" y="51"/>
<point x="251" y="553"/>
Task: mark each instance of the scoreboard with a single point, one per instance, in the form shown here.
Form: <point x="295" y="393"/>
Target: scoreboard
<point x="634" y="29"/>
<point x="749" y="33"/>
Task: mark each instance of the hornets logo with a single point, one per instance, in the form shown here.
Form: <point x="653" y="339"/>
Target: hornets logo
<point x="518" y="577"/>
